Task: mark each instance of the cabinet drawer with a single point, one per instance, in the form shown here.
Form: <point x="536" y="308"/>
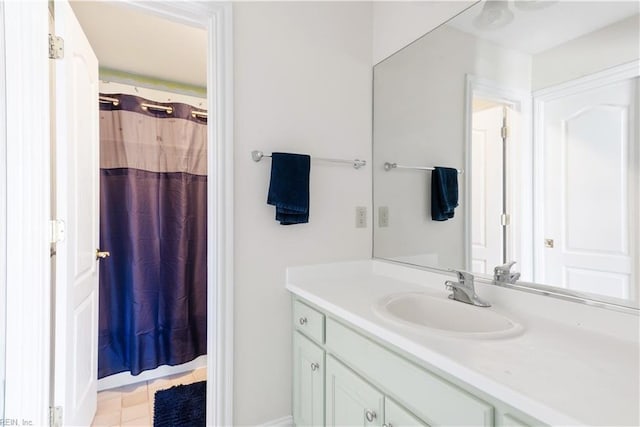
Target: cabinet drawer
<point x="428" y="396"/>
<point x="308" y="321"/>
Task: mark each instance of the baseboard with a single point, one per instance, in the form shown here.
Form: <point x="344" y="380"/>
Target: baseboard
<point x="280" y="422"/>
<point x="125" y="378"/>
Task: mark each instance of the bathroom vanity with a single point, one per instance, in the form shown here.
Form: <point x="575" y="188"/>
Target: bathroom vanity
<point x="377" y="343"/>
<point x="380" y="343"/>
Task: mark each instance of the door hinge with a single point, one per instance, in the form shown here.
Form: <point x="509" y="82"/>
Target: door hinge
<point x="55" y="416"/>
<point x="56" y="230"/>
<point x="504" y="132"/>
<point x="56" y="47"/>
<point x="505" y="219"/>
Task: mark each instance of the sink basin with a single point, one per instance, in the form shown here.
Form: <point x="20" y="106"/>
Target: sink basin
<point x="436" y="314"/>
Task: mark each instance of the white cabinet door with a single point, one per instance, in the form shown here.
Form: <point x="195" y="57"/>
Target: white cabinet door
<point x="590" y="187"/>
<point x="77" y="183"/>
<point x="308" y="382"/>
<point x="351" y="401"/>
<point x="396" y="416"/>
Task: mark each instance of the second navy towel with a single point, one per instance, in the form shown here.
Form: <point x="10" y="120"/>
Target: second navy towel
<point x="289" y="187"/>
<point x="444" y="193"/>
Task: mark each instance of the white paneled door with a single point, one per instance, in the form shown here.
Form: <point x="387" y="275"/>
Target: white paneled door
<point x="486" y="188"/>
<point x="590" y="188"/>
<point x="77" y="185"/>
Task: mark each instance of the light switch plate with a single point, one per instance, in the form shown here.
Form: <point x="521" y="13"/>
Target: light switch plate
<point x="361" y="217"/>
<point x="383" y="216"/>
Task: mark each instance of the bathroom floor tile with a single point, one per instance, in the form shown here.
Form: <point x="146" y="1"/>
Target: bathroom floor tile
<point x="141" y="422"/>
<point x="136" y="398"/>
<point x="134" y="412"/>
<point x="109" y="405"/>
<point x="200" y="374"/>
<point x="109" y="419"/>
<point x="133" y="405"/>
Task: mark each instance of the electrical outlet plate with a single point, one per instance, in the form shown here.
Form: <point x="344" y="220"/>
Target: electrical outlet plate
<point x="361" y="217"/>
<point x="383" y="216"/>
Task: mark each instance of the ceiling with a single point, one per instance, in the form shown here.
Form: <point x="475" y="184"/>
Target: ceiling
<point x="535" y="30"/>
<point x="125" y="39"/>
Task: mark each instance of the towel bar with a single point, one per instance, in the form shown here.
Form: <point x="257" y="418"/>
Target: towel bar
<point x="258" y="155"/>
<point x="388" y="166"/>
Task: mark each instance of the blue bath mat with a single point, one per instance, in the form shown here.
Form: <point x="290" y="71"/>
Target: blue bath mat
<point x="181" y="406"/>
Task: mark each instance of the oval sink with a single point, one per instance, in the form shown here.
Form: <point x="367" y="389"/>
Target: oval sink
<point x="425" y="312"/>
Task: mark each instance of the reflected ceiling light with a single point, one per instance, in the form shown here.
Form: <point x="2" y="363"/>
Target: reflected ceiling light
<point x="495" y="14"/>
<point x="533" y="4"/>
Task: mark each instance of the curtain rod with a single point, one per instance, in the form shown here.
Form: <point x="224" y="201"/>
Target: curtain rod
<point x="258" y="155"/>
<point x="115" y="101"/>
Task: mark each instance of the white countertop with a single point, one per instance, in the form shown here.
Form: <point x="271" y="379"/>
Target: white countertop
<point x="573" y="364"/>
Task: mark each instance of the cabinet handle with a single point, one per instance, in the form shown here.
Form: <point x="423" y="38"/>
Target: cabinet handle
<point x="303" y="320"/>
<point x="370" y="415"/>
<point x="315" y="366"/>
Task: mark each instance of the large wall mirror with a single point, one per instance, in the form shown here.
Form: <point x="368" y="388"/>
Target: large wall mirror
<point x="536" y="105"/>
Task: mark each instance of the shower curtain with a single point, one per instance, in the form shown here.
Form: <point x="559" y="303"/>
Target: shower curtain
<point x="153" y="220"/>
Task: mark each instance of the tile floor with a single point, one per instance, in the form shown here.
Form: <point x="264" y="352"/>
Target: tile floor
<point x="132" y="405"/>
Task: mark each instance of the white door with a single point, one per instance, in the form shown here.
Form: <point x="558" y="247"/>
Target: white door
<point x="590" y="216"/>
<point x="77" y="184"/>
<point x="486" y="188"/>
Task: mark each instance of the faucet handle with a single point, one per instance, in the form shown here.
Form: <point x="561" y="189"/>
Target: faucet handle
<point x="504" y="267"/>
<point x="463" y="276"/>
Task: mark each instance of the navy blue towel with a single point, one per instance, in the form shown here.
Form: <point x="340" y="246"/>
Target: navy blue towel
<point x="289" y="187"/>
<point x="444" y="193"/>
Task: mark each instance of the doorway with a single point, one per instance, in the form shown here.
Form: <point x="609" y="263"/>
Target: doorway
<point x="498" y="144"/>
<point x="151" y="311"/>
<point x="29" y="325"/>
<point x="491" y="203"/>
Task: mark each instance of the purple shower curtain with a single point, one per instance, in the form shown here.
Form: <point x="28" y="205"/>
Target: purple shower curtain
<point x="153" y="220"/>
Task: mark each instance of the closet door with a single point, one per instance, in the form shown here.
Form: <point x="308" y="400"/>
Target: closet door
<point x="76" y="167"/>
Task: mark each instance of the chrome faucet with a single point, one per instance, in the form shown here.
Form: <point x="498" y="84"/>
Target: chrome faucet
<point x="503" y="274"/>
<point x="464" y="290"/>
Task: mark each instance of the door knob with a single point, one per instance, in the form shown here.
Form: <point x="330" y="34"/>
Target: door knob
<point x="102" y="254"/>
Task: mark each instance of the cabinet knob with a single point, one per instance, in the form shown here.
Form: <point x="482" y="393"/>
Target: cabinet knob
<point x="303" y="320"/>
<point x="315" y="366"/>
<point x="370" y="415"/>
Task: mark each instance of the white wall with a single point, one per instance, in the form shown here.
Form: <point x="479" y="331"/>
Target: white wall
<point x="398" y="23"/>
<point x="302" y="84"/>
<point x="615" y="44"/>
<point x="419" y="120"/>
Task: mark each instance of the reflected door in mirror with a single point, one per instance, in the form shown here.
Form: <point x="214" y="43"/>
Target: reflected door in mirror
<point x="590" y="190"/>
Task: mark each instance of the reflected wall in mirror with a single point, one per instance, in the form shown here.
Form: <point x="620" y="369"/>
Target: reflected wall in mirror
<point x="537" y="105"/>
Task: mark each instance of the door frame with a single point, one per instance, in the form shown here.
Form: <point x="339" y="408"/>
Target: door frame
<point x="540" y="98"/>
<point x="3" y="217"/>
<point x="521" y="101"/>
<point x="28" y="182"/>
